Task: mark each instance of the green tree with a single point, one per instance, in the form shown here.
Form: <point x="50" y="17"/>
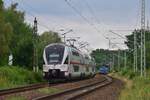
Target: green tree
<point x="130" y="44"/>
<point x="5" y="36"/>
<point x="21" y="43"/>
<point x="16" y="37"/>
<point x="102" y="56"/>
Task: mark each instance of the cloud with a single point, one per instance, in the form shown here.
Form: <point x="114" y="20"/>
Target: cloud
<point x="56" y="15"/>
<point x="80" y="28"/>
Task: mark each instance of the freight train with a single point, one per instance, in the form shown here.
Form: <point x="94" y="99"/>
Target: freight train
<point x="62" y="61"/>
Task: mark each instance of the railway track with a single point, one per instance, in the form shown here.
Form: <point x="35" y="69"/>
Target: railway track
<point x="27" y="88"/>
<point x="77" y="92"/>
<point x="23" y="89"/>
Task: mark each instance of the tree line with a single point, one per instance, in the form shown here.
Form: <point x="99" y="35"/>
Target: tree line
<point x="103" y="56"/>
<point x="16" y="37"/>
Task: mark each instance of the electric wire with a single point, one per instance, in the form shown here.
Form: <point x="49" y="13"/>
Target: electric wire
<point x="32" y="15"/>
<point x="83" y="17"/>
<point x="91" y="11"/>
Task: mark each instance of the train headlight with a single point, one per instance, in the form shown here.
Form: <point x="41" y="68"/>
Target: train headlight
<point x="66" y="73"/>
<point x="53" y="71"/>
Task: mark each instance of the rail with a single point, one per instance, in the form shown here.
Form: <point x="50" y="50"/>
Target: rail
<point x="22" y="89"/>
<point x="77" y="92"/>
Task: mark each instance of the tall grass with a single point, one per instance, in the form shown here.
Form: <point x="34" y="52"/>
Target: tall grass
<point x="137" y="88"/>
<point x="140" y="90"/>
<point x="15" y="76"/>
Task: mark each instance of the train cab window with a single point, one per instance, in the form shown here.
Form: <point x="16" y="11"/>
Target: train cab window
<point x="54" y="54"/>
<point x="76" y="68"/>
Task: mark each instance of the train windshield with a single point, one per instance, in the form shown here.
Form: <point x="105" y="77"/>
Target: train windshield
<point x="54" y="54"/>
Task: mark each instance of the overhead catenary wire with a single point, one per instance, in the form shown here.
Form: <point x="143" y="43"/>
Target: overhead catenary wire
<point x="25" y="3"/>
<point x="78" y="12"/>
<point x="83" y="17"/>
<point x="33" y="15"/>
<point x="91" y="11"/>
<point x="40" y="23"/>
<point x="117" y="34"/>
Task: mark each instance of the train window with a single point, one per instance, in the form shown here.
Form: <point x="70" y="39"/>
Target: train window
<point x="75" y="53"/>
<point x="76" y="68"/>
<point x="66" y="61"/>
<point x="54" y="54"/>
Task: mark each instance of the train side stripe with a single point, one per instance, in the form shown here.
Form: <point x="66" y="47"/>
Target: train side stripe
<point x="73" y="62"/>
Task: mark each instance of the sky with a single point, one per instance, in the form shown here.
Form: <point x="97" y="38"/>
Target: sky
<point x="91" y="20"/>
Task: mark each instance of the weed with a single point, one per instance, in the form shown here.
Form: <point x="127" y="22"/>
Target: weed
<point x="11" y="76"/>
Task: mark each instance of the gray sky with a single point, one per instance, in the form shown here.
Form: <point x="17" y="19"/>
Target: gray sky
<point x="104" y="15"/>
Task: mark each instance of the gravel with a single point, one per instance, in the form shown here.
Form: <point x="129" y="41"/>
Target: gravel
<point x="29" y="95"/>
<point x="110" y="92"/>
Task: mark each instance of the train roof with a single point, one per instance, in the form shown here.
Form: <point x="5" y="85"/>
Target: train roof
<point x="63" y="44"/>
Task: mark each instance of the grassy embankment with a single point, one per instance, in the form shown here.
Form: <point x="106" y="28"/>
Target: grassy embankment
<point x="136" y="88"/>
<point x="16" y="76"/>
<point x="11" y="76"/>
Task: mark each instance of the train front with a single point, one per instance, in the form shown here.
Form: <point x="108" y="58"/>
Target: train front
<point x="56" y="62"/>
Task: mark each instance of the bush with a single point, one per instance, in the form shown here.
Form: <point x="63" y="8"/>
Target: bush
<point x="11" y="76"/>
<point x="140" y="90"/>
<point x="137" y="87"/>
<point x="127" y="72"/>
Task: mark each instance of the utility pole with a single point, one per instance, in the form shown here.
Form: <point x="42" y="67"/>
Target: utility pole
<point x="73" y="41"/>
<point x="125" y="59"/>
<point x="64" y="34"/>
<point x="118" y="59"/>
<point x="110" y="64"/>
<point x="148" y="28"/>
<point x="135" y="52"/>
<point x="35" y="50"/>
<point x="111" y="60"/>
<point x="113" y="66"/>
<point x="143" y="48"/>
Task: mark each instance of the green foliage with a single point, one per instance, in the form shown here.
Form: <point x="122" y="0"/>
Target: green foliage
<point x="130" y="44"/>
<point x="101" y="56"/>
<point x="106" y="56"/>
<point x="16" y="37"/>
<point x="48" y="90"/>
<point x="139" y="87"/>
<point x="139" y="91"/>
<point x="5" y="36"/>
<point x="16" y="98"/>
<point x="127" y="72"/>
<point x="22" y="37"/>
<point x="11" y="76"/>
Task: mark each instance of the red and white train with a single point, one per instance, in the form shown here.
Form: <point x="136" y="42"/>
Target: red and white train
<point x="66" y="62"/>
